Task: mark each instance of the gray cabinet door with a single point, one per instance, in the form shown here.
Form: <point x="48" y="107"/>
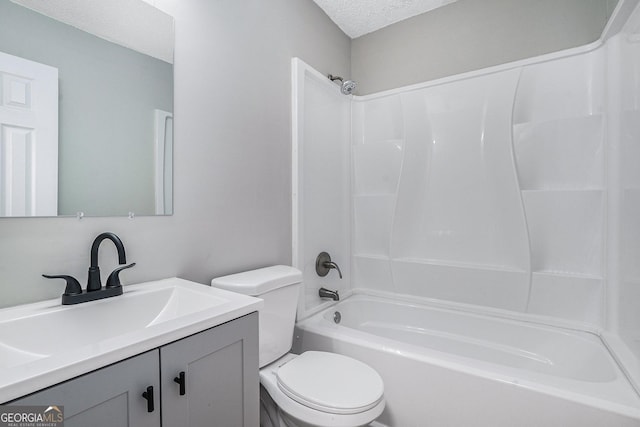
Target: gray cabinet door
<point x="108" y="397"/>
<point x="220" y="368"/>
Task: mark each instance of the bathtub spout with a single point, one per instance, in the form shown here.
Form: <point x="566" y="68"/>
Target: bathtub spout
<point x="326" y="293"/>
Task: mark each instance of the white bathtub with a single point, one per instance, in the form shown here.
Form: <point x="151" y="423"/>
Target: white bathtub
<point x="444" y="367"/>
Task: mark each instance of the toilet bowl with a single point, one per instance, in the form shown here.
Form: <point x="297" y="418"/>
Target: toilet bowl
<point x="321" y="389"/>
<point x="313" y="389"/>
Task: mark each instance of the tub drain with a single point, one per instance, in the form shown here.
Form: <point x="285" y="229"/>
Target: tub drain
<point x="337" y="317"/>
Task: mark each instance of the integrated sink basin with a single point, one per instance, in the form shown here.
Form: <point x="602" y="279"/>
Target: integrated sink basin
<point x="54" y="329"/>
<point x="45" y="343"/>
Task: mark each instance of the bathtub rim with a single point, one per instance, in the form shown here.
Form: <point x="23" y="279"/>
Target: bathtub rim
<point x="317" y="324"/>
<point x="500" y="313"/>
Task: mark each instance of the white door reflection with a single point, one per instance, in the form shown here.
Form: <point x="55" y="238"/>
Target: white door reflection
<point x="28" y="138"/>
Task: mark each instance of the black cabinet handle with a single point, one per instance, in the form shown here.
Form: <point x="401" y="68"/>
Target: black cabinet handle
<point x="149" y="396"/>
<point x="180" y="379"/>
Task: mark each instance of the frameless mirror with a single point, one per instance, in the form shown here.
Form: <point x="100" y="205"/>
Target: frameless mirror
<point x="86" y="108"/>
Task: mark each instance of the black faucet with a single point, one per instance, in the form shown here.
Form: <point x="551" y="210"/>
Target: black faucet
<point x="93" y="282"/>
<point x="73" y="292"/>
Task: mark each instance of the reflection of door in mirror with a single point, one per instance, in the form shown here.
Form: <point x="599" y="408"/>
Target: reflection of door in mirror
<point x="115" y="67"/>
<point x="28" y="138"/>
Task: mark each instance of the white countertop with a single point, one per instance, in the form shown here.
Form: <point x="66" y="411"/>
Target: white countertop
<point x="45" y="343"/>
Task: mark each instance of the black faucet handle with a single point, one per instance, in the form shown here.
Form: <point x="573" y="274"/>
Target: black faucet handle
<point x="114" y="278"/>
<point x="73" y="286"/>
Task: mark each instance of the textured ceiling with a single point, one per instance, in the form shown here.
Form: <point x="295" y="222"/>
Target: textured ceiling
<point x="130" y="23"/>
<point x="359" y="17"/>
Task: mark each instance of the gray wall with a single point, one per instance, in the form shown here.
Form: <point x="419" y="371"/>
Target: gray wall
<point x="232" y="156"/>
<point x="469" y="35"/>
<point x="232" y="130"/>
<point x="107" y="97"/>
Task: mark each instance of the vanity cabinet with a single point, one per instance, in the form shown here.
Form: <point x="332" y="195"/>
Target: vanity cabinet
<point x="219" y="371"/>
<point x="108" y="397"/>
<point x="207" y="379"/>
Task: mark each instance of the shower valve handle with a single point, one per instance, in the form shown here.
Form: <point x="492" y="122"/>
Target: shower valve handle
<point x="324" y="265"/>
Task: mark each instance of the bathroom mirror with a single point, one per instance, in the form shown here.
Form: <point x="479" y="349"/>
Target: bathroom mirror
<point x="86" y="108"/>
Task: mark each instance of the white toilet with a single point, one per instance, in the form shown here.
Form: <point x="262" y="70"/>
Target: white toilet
<point x="312" y="389"/>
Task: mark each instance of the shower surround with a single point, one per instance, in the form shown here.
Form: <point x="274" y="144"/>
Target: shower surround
<point x="487" y="190"/>
<point x="511" y="192"/>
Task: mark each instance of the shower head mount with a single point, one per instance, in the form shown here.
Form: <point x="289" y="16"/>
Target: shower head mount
<point x="347" y="86"/>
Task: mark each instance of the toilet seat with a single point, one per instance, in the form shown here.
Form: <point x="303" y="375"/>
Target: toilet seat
<point x="330" y="382"/>
<point x="312" y="416"/>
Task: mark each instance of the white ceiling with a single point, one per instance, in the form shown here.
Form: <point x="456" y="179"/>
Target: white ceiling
<point x="359" y="17"/>
<point x="130" y="23"/>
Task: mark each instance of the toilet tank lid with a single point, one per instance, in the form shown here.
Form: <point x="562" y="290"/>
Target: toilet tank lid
<point x="260" y="281"/>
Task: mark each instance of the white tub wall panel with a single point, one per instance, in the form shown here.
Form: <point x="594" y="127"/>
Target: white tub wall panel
<point x="613" y="171"/>
<point x="627" y="316"/>
<point x="629" y="298"/>
<point x="357" y="122"/>
<point x="629" y="319"/>
<point x="623" y="329"/>
<point x="494" y="288"/>
<point x="378" y="139"/>
<point x="564" y="88"/>
<point x="372" y="273"/>
<point x="324" y="195"/>
<point x="558" y="145"/>
<point x="630" y="238"/>
<point x="413" y="180"/>
<point x="566" y="231"/>
<point x="629" y="68"/>
<point x="372" y="224"/>
<point x="630" y="148"/>
<point x="578" y="299"/>
<point x="420" y="393"/>
<point x="377" y="166"/>
<point x="458" y="198"/>
<point x="383" y="119"/>
<point x="560" y="154"/>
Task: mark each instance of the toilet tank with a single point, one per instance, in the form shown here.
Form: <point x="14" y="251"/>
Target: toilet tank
<point x="278" y="286"/>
